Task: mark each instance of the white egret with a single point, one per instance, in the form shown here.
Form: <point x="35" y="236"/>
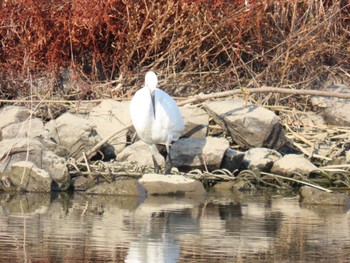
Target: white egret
<point x="156" y="118"/>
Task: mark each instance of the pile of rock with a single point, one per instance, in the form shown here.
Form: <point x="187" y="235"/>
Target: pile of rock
<point x="34" y="154"/>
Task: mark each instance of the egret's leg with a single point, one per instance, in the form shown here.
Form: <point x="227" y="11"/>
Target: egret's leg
<point x="168" y="161"/>
<point x="154" y="152"/>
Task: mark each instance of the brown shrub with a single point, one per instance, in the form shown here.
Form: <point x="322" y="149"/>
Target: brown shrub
<point x="199" y="45"/>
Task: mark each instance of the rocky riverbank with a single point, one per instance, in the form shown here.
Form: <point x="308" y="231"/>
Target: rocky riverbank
<point x="231" y="136"/>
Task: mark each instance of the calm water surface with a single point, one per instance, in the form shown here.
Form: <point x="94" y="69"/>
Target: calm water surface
<point x="225" y="227"/>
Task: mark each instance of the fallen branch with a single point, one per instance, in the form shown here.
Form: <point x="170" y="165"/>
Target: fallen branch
<point x="265" y="89"/>
<point x="91" y="152"/>
<point x="203" y="97"/>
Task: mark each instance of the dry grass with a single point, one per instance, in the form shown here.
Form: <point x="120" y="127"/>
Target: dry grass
<point x="197" y="46"/>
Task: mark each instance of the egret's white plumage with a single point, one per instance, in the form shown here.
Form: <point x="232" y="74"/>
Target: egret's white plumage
<point x="155" y="115"/>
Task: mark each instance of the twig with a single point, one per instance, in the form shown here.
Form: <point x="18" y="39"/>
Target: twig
<point x="87" y="165"/>
<point x="298" y="181"/>
<point x="307" y="142"/>
<point x="97" y="146"/>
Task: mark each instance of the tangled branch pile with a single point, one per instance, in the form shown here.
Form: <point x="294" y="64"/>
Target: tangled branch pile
<point x="200" y="45"/>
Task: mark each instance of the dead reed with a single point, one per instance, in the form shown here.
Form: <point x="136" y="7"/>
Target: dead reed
<point x="197" y="45"/>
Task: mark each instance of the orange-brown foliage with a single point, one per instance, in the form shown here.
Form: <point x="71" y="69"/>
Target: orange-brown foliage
<point x="238" y="42"/>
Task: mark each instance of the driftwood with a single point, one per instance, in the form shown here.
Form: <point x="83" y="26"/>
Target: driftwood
<point x="265" y="89"/>
<point x="203" y="97"/>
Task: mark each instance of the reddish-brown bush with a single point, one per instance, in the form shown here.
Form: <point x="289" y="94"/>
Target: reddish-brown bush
<point x="198" y="44"/>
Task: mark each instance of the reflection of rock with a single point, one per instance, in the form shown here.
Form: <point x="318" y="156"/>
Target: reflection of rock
<point x="209" y="228"/>
<point x="25" y="203"/>
<point x="120" y="187"/>
<point x="164" y="249"/>
<point x="309" y="195"/>
<point x="82" y="183"/>
<point x="158" y="184"/>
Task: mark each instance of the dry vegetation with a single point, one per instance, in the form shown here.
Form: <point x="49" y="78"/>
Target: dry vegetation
<point x="196" y="45"/>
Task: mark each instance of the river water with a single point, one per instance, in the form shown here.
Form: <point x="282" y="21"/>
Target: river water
<point x="220" y="227"/>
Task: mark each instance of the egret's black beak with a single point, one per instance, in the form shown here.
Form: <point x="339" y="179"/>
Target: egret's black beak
<point x="153" y="103"/>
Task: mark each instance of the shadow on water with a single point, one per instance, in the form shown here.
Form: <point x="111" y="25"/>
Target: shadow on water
<point x="225" y="227"/>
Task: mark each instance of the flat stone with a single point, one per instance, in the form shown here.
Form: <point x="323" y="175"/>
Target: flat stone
<point x="140" y="152"/>
<point x="109" y="117"/>
<point x="25" y="176"/>
<point x="128" y="187"/>
<point x="158" y="184"/>
<point x="196" y="122"/>
<point x="249" y="125"/>
<point x="335" y="111"/>
<point x="312" y="196"/>
<point x="199" y="152"/>
<point x="76" y="134"/>
<point x="291" y="163"/>
<point x="261" y="158"/>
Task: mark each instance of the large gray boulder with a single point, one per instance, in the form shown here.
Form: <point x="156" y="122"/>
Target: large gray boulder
<point x="292" y="163"/>
<point x="158" y="184"/>
<point x="17" y="123"/>
<point x="76" y="134"/>
<point x="13" y="114"/>
<point x="335" y="111"/>
<point x="31" y="128"/>
<point x="14" y="151"/>
<point x="196" y="122"/>
<point x="140" y="152"/>
<point x="202" y="153"/>
<point x="25" y="176"/>
<point x="249" y="125"/>
<point x="109" y="117"/>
